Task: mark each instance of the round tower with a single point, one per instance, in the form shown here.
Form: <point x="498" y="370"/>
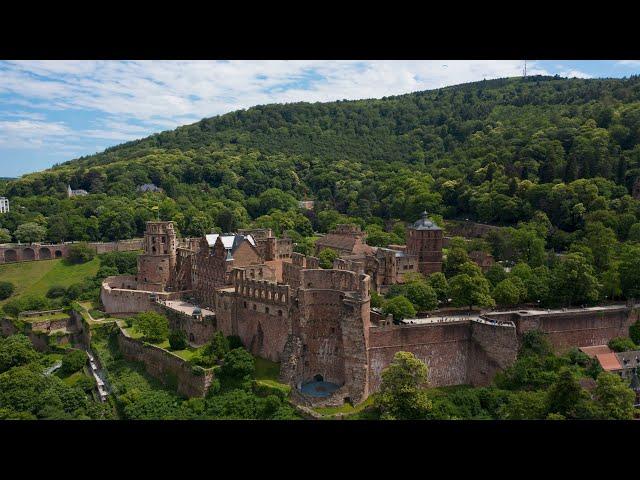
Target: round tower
<point x="424" y="240"/>
<point x="157" y="265"/>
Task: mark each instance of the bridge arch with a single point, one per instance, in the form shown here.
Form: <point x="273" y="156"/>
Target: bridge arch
<point x="10" y="255"/>
<point x="28" y="254"/>
<point x="45" y="253"/>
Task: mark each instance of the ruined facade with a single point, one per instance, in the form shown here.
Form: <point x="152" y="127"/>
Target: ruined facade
<point x="318" y="323"/>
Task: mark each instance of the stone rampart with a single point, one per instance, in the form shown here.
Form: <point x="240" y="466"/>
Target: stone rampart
<point x="198" y="330"/>
<point x="167" y="367"/>
<point x="120" y="294"/>
<point x="573" y="327"/>
<point x="443" y="348"/>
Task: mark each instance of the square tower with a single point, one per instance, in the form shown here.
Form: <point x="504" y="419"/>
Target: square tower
<point x="424" y="239"/>
<point x="158" y="262"/>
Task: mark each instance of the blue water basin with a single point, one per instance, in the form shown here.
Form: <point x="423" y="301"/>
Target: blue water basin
<point x="319" y="389"/>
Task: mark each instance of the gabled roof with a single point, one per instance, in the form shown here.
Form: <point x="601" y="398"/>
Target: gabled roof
<point x="630" y="359"/>
<point x="595" y="350"/>
<point x="230" y="242"/>
<point x="608" y="361"/>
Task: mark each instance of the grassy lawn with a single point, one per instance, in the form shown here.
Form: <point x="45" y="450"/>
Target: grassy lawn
<point x="42" y="318"/>
<point x="346" y="409"/>
<point x="72" y="379"/>
<point x="266" y="370"/>
<point x="37" y="277"/>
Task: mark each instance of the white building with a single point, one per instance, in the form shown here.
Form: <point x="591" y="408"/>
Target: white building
<point x="76" y="193"/>
<point x="4" y="205"/>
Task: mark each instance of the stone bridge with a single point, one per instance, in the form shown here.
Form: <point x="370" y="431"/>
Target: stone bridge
<point x="13" y="252"/>
<point x="28" y="252"/>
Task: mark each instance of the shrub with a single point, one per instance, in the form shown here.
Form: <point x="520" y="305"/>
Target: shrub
<point x="6" y="290"/>
<point x="326" y="257"/>
<point x="81" y="253"/>
<point x="178" y="340"/>
<point x="25" y="303"/>
<point x="154" y="327"/>
<point x="56" y="291"/>
<point x="234" y="342"/>
<point x="238" y="364"/>
<point x="621" y="344"/>
<point x="73" y="361"/>
<point x="400" y="307"/>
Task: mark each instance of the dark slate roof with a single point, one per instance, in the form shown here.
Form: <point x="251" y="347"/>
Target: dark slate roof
<point x="425" y="223"/>
<point x="629" y="359"/>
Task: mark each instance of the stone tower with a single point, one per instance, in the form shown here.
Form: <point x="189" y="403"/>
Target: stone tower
<point x="424" y="239"/>
<point x="157" y="264"/>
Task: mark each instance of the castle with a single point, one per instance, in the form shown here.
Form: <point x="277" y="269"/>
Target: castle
<point x="318" y="323"/>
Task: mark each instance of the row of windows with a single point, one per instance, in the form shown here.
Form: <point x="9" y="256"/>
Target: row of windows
<point x="267" y="310"/>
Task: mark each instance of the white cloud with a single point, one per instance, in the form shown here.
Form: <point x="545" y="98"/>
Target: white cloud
<point x="125" y="100"/>
<point x="574" y="74"/>
<point x="168" y="93"/>
<point x="31" y="133"/>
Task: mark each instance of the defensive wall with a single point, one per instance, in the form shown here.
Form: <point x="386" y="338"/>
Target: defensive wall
<point x="120" y="294"/>
<point x="199" y="329"/>
<point x="45" y="329"/>
<point x="45" y="251"/>
<point x="460" y="352"/>
<point x="167" y="367"/>
<point x="579" y="327"/>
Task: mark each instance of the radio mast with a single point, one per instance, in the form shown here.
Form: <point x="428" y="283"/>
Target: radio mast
<point x="525" y="69"/>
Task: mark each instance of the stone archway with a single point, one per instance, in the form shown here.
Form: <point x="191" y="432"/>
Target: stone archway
<point x="28" y="254"/>
<point x="318" y="378"/>
<point x="45" y="253"/>
<point x="58" y="254"/>
<point x="10" y="255"/>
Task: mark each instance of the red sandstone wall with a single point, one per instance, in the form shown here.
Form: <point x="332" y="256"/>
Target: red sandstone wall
<point x="492" y="348"/>
<point x="444" y="348"/>
<point x="164" y="366"/>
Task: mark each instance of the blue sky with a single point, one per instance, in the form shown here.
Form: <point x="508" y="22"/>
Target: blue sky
<point x="53" y="111"/>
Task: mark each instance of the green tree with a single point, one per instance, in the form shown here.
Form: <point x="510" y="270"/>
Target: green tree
<point x="565" y="395"/>
<point x="154" y="327"/>
<point x="456" y="257"/>
<point x="326" y="257"/>
<point x="73" y="361"/>
<point x="506" y="293"/>
<point x="614" y="399"/>
<point x="440" y="285"/>
<point x="16" y="350"/>
<point x="630" y="271"/>
<point x="523" y="405"/>
<point x="238" y="364"/>
<point x="400" y="307"/>
<point x="30" y="232"/>
<point x="81" y="253"/>
<point x="6" y="290"/>
<point x="5" y="235"/>
<point x="402" y="393"/>
<point x="422" y="296"/>
<point x="496" y="274"/>
<point x="469" y="291"/>
<point x="178" y="340"/>
<point x="574" y="281"/>
<point x="622" y="344"/>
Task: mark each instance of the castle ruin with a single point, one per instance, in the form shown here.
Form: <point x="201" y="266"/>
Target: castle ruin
<point x="318" y="323"/>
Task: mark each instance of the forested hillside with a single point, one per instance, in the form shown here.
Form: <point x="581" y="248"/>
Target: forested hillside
<point x="496" y="151"/>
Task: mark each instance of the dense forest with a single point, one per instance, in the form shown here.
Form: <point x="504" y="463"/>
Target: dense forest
<point x="552" y="160"/>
